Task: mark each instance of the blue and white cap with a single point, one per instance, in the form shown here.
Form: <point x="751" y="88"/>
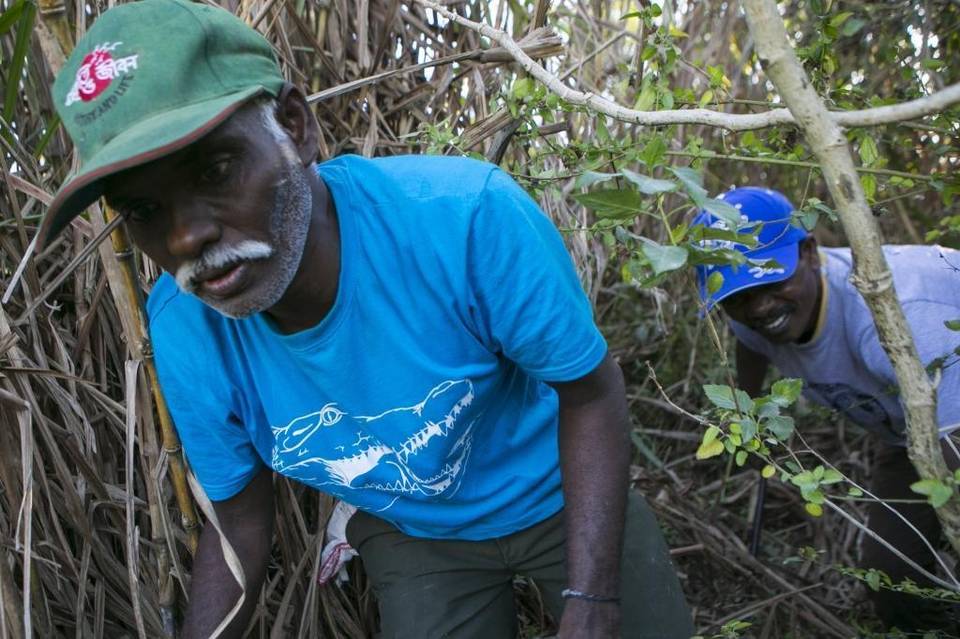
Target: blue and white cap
<point x="777" y="240"/>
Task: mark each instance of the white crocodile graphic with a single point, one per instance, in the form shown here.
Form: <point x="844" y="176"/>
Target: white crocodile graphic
<point x="418" y="449"/>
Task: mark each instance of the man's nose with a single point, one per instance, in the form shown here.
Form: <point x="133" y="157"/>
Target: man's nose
<point x="759" y="305"/>
<point x="191" y="231"/>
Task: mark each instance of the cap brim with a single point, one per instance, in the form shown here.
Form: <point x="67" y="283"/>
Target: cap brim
<point x="750" y="275"/>
<point x="149" y="140"/>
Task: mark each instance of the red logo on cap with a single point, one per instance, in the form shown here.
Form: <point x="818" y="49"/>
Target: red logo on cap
<point x="97" y="71"/>
<point x="92" y="76"/>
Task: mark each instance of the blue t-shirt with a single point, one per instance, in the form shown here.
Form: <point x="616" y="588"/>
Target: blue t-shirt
<point x="420" y="397"/>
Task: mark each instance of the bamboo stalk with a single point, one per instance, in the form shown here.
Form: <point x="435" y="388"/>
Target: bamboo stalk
<point x="140" y="343"/>
<point x="53" y="15"/>
<point x="171" y="441"/>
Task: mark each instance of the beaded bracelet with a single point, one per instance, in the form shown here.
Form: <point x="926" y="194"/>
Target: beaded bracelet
<point x="570" y="593"/>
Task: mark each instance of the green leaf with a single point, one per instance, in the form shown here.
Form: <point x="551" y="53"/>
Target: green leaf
<point x="714" y="282"/>
<point x="654" y="152"/>
<point x="869" y="184"/>
<point x="937" y="492"/>
<point x="666" y="100"/>
<point x="744" y="401"/>
<point x="786" y="391"/>
<point x="707" y="233"/>
<point x="589" y="178"/>
<point x="647" y="98"/>
<point x="853" y="491"/>
<point x="649" y="185"/>
<point x="831" y="476"/>
<point x="612" y="203"/>
<point x="766" y="407"/>
<point x="768" y="471"/>
<point x="873" y="580"/>
<point x="840" y="18"/>
<point x="868" y="151"/>
<point x="780" y="426"/>
<point x="953" y="325"/>
<point x="721" y="396"/>
<point x="600" y="130"/>
<point x="9" y="17"/>
<point x="749" y="428"/>
<point x="741" y="457"/>
<point x="522" y="88"/>
<point x="814" y="510"/>
<point x="729" y="214"/>
<point x="706" y="451"/>
<point x="710" y="435"/>
<point x="664" y="259"/>
<point x="706" y="98"/>
<point x="692" y="184"/>
<point x="18" y="59"/>
<point x="679" y="232"/>
<point x="851" y="27"/>
<point x="804" y="479"/>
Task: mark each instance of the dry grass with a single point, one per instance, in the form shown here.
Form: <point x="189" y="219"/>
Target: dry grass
<point x="91" y="541"/>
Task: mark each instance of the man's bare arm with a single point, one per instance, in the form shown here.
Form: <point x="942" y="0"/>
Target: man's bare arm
<point x="594" y="461"/>
<point x="247" y="521"/>
<point x="751" y="369"/>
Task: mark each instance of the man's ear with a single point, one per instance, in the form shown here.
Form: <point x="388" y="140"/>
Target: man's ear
<point x="296" y="117"/>
<point x="809" y="253"/>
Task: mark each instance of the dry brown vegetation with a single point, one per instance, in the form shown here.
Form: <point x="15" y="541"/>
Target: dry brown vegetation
<point x="91" y="541"/>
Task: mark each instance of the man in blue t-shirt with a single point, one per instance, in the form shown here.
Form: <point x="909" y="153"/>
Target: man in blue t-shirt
<point x="794" y="306"/>
<point x="407" y="334"/>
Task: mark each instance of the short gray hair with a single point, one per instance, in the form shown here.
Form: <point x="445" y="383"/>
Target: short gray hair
<point x="266" y="107"/>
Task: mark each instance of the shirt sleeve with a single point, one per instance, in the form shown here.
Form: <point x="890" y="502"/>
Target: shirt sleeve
<point x="203" y="405"/>
<point x="935" y="345"/>
<point x="526" y="298"/>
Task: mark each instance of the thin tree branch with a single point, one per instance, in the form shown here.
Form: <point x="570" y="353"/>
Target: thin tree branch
<point x="730" y="121"/>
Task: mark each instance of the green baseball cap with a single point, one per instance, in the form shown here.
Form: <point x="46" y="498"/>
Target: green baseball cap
<point x="148" y="79"/>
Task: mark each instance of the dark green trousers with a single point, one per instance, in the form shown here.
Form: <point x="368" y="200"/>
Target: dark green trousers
<point x="429" y="588"/>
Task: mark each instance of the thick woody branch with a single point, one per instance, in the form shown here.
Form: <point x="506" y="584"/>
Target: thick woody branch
<point x="730" y="121"/>
<point x="872" y="275"/>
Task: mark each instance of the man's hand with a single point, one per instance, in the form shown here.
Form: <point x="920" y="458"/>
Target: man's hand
<point x="594" y="462"/>
<point x="247" y="521"/>
<point x="589" y="620"/>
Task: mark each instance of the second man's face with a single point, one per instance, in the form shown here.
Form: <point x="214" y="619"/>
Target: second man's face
<point x="784" y="311"/>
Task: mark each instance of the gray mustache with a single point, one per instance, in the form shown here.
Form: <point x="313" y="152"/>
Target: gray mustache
<point x="218" y="257"/>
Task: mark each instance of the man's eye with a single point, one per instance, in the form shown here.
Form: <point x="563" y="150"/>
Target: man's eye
<point x="216" y="172"/>
<point x="137" y="212"/>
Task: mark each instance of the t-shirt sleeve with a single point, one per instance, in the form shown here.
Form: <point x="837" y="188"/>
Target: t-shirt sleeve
<point x="204" y="408"/>
<point x="935" y="345"/>
<point x="526" y="298"/>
